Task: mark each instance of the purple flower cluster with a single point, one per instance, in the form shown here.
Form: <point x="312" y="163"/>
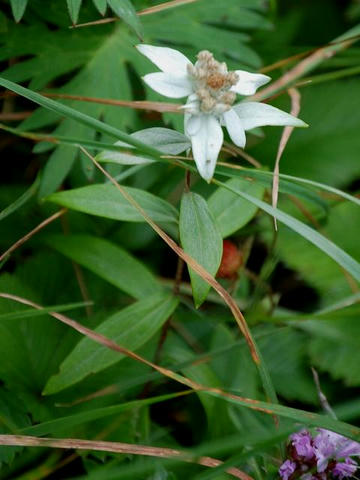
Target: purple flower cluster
<point x="319" y="457"/>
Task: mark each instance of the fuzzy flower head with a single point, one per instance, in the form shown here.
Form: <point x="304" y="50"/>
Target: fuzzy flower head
<point x="211" y="95"/>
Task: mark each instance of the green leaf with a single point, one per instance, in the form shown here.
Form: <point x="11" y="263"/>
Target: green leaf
<point x="125" y="10"/>
<point x="109" y="261"/>
<point x="12" y="417"/>
<point x="130" y="328"/>
<point x="18" y="8"/>
<point x="288" y="184"/>
<point x="200" y="238"/>
<point x="106" y="201"/>
<point x="166" y="140"/>
<point x="231" y="212"/>
<point x="333" y="344"/>
<point x="19" y="202"/>
<point x="317" y="153"/>
<point x="74" y="9"/>
<point x="31" y="313"/>
<point x="100" y="5"/>
<point x="299" y="255"/>
<point x="68" y="112"/>
<point x="70" y="421"/>
<point x="332" y="250"/>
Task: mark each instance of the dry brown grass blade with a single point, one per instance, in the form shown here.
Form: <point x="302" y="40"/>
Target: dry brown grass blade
<point x="299" y="56"/>
<point x="309" y="63"/>
<point x="108" y="343"/>
<point x="137" y="105"/>
<point x="164" y="6"/>
<point x="14" y="116"/>
<point x="26" y="237"/>
<point x="189" y="260"/>
<point x="117" y="447"/>
<point x="145" y="11"/>
<point x="295" y="110"/>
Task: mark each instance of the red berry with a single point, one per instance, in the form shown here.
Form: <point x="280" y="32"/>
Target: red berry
<point x="231" y="260"/>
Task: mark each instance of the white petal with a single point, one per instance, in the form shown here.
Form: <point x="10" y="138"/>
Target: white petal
<point x="167" y="59"/>
<point x="254" y="114"/>
<point x="206" y="145"/>
<point x="235" y="128"/>
<point x="173" y="86"/>
<point x="192" y="124"/>
<point x="248" y="82"/>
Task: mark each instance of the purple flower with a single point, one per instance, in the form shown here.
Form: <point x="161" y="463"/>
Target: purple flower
<point x="329" y="445"/>
<point x="302" y="442"/>
<point x="345" y="469"/>
<point x="287" y="469"/>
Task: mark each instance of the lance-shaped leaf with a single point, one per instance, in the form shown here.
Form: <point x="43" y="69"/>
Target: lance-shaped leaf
<point x="200" y="238"/>
<point x="125" y="10"/>
<point x="106" y="201"/>
<point x="130" y="328"/>
<point x="109" y="261"/>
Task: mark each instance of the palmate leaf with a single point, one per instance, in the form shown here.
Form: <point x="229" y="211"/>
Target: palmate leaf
<point x="74" y="9"/>
<point x="100" y="55"/>
<point x="18" y="8"/>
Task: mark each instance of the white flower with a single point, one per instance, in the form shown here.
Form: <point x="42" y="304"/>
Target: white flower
<point x="211" y="90"/>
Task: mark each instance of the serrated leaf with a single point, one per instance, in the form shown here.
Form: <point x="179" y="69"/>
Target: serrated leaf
<point x="109" y="261"/>
<point x="130" y="328"/>
<point x="101" y="56"/>
<point x="106" y="201"/>
<point x="125" y="10"/>
<point x="229" y="210"/>
<point x="18" y="8"/>
<point x="100" y="5"/>
<point x="74" y="9"/>
<point x="334" y="343"/>
<point x="200" y="238"/>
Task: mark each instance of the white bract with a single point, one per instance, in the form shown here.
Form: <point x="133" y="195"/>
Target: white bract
<point x="211" y="90"/>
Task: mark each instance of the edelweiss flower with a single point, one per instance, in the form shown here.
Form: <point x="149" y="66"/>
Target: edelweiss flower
<point x="211" y="90"/>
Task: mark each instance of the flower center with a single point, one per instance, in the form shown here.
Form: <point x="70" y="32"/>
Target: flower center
<point x="212" y="83"/>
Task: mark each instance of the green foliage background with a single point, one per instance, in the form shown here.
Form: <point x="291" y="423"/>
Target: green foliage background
<point x="102" y="265"/>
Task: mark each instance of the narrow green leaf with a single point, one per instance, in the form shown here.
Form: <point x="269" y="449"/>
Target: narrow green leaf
<point x="335" y="252"/>
<point x="200" y="238"/>
<point x="19" y="202"/>
<point x="18" y="8"/>
<point x="106" y="201"/>
<point x="74" y="9"/>
<point x="109" y="261"/>
<point x="230" y="211"/>
<point x="80" y="117"/>
<point x="100" y="5"/>
<point x="68" y="422"/>
<point x="30" y="313"/>
<point x="286" y="187"/>
<point x="302" y="416"/>
<point x="125" y="10"/>
<point x="130" y="328"/>
<point x="266" y="179"/>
